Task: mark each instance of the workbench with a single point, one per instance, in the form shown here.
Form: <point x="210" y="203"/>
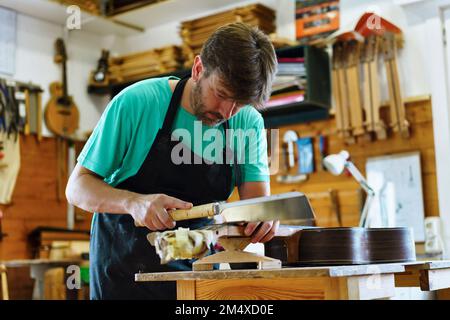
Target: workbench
<point x="428" y="275"/>
<point x="356" y="282"/>
<point x="38" y="267"/>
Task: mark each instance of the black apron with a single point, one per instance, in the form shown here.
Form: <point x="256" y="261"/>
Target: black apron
<point x="118" y="249"/>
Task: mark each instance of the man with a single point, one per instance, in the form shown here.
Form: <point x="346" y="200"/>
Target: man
<point x="128" y="170"/>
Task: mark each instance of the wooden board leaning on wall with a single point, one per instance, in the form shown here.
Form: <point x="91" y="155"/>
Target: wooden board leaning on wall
<point x="319" y="184"/>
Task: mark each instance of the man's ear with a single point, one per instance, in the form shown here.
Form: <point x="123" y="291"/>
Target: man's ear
<point x="197" y="68"/>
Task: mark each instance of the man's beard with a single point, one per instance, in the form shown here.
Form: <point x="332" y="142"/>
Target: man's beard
<point x="199" y="108"/>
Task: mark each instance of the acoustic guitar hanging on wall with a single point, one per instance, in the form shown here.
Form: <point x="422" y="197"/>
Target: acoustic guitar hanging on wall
<point x="61" y="113"/>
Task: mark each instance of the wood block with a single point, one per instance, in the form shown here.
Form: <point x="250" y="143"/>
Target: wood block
<point x="443" y="294"/>
<point x="262" y="262"/>
<point x="435" y="279"/>
<point x="54" y="284"/>
<point x="185" y="290"/>
<point x="4" y="282"/>
<point x="407" y="279"/>
<point x="375" y="286"/>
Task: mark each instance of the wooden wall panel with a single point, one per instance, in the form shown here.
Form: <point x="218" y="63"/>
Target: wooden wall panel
<point x="34" y="204"/>
<point x="34" y="201"/>
<point x="349" y="194"/>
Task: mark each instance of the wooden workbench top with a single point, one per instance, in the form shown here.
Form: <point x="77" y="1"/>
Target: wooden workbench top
<point x="429" y="265"/>
<point x="326" y="271"/>
<point x="31" y="262"/>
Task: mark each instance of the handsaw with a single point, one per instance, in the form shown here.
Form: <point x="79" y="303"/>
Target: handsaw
<point x="292" y="206"/>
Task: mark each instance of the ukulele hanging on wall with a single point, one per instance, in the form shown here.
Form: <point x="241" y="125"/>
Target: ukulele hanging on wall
<point x="61" y="113"/>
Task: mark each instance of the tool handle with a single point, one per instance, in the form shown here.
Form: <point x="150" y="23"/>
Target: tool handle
<point x="202" y="211"/>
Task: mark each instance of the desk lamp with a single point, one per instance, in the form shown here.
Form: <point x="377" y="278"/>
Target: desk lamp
<point x="335" y="164"/>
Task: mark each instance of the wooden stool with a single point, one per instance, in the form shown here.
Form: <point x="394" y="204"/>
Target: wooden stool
<point x="4" y="281"/>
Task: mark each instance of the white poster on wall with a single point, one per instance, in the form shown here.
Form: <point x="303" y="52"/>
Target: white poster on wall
<point x="7" y="41"/>
<point x="397" y="182"/>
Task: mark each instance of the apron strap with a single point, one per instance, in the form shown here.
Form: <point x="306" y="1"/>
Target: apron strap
<point x="170" y="117"/>
<point x="173" y="106"/>
<point x="236" y="167"/>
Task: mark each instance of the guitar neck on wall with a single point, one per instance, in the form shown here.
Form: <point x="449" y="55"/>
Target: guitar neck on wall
<point x="61" y="113"/>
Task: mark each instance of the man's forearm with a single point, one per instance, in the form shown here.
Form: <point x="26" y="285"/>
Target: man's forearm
<point x="249" y="190"/>
<point x="94" y="195"/>
<point x="88" y="191"/>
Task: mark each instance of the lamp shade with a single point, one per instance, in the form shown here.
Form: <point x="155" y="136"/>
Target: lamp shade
<point x="335" y="163"/>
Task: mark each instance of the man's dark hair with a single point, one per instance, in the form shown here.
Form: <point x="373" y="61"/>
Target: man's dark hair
<point x="244" y="59"/>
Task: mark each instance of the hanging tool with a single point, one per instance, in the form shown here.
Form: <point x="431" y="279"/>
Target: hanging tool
<point x="61" y="167"/>
<point x="323" y="149"/>
<point x="335" y="205"/>
<point x="397" y="105"/>
<point x="351" y="49"/>
<point x="371" y="90"/>
<point x="10" y="116"/>
<point x="336" y="89"/>
<point x="290" y="137"/>
<point x="26" y="126"/>
<point x="373" y="34"/>
<point x="305" y="155"/>
<point x="33" y="106"/>
<point x="341" y="79"/>
<point x="390" y="35"/>
<point x="39" y="115"/>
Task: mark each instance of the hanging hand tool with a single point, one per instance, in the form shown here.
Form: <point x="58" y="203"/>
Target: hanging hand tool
<point x="397" y="105"/>
<point x="371" y="88"/>
<point x="290" y="137"/>
<point x="342" y="94"/>
<point x="352" y="46"/>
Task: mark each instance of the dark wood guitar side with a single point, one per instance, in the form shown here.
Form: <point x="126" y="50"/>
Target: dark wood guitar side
<point x="61" y="114"/>
<point x="343" y="246"/>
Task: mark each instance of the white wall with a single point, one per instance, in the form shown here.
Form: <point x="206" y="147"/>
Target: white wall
<point x="35" y="38"/>
<point x="34" y="63"/>
<point x="168" y="34"/>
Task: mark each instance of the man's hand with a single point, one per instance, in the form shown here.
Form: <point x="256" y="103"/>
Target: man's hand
<point x="151" y="210"/>
<point x="261" y="231"/>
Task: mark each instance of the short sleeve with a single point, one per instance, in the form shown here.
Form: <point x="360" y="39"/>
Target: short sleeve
<point x="108" y="144"/>
<point x="254" y="164"/>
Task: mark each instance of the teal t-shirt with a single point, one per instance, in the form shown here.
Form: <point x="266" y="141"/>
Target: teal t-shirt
<point x="127" y="129"/>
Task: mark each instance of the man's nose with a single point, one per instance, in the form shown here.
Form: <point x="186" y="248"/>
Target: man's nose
<point x="228" y="109"/>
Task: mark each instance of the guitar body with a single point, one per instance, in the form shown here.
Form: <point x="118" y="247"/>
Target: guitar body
<point x="343" y="246"/>
<point x="61" y="114"/>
